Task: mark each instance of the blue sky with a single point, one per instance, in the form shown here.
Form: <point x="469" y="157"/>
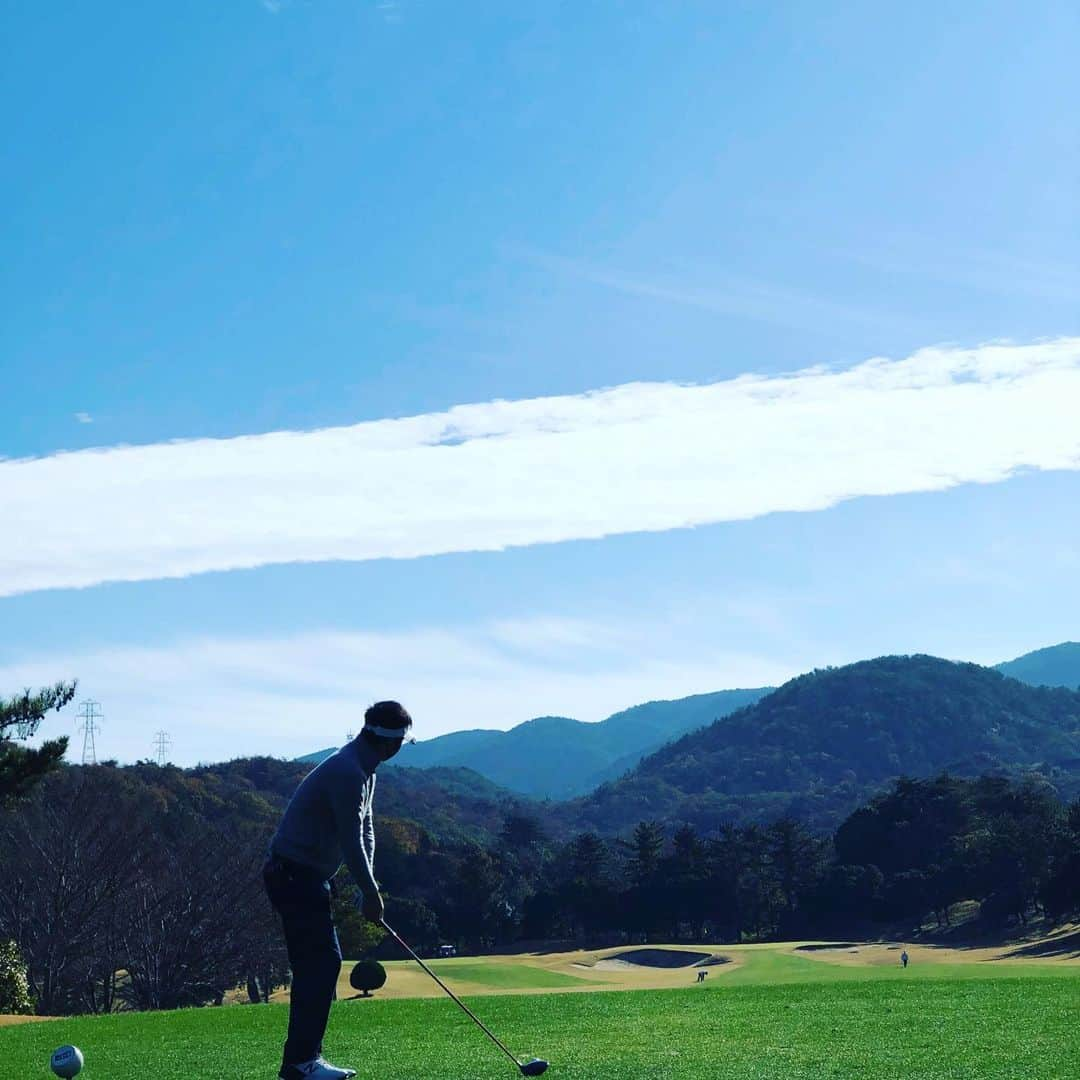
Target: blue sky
<point x="627" y="267"/>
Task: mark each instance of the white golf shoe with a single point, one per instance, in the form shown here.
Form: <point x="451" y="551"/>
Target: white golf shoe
<point x="316" y="1069"/>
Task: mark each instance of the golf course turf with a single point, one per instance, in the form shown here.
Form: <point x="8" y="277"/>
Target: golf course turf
<point x="778" y="1016"/>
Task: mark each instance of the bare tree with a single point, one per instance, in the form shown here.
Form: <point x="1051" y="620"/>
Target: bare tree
<point x="68" y="854"/>
<point x="186" y="923"/>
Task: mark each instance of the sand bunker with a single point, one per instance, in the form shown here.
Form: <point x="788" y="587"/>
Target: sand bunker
<point x="654" y="958"/>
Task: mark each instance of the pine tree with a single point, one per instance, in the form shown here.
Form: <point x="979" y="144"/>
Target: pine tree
<point x="21" y="767"/>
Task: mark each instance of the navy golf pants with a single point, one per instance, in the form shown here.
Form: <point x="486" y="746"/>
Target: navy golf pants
<point x="302" y="899"/>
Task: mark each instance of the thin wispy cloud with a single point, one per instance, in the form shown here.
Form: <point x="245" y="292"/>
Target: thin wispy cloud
<point x="484" y="477"/>
<point x="986" y="271"/>
<point x="389" y="10"/>
<point x="739" y="297"/>
<point x="84" y="418"/>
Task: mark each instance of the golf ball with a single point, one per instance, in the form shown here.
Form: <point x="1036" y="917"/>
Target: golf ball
<point x="66" y="1060"/>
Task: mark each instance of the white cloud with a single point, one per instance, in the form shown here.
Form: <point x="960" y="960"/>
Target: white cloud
<point x="222" y="697"/>
<point x="84" y="418"/>
<point x="482" y="477"/>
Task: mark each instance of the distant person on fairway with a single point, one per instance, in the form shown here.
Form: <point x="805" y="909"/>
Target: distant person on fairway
<point x="329" y="819"/>
<point x="904" y="958"/>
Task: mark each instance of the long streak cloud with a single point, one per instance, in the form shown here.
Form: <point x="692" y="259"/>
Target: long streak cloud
<point x="483" y="477"/>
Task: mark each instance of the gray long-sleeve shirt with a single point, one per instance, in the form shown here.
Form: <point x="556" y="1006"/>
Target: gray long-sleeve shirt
<point x="329" y="819"/>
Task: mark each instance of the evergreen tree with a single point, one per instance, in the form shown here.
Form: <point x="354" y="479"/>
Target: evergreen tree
<point x="723" y="862"/>
<point x="587" y="859"/>
<point x="21" y="767"/>
<point x="645" y="852"/>
<point x="797" y="861"/>
<point x="685" y="873"/>
<point x="1060" y="889"/>
<point x="587" y="895"/>
<point x="520" y="830"/>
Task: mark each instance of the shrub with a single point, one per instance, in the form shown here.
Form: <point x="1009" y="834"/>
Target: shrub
<point x="366" y="976"/>
<point x="15" y="996"/>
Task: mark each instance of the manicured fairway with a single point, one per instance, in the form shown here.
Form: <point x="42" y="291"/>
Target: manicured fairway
<point x="745" y="965"/>
<point x="1013" y="1024"/>
<point x="508" y="976"/>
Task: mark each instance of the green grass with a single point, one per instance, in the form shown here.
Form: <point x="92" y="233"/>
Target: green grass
<point x="772" y="967"/>
<point x="502" y="975"/>
<point x="866" y="1024"/>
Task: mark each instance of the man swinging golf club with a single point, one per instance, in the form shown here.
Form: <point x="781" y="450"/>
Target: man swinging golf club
<point x="328" y="820"/>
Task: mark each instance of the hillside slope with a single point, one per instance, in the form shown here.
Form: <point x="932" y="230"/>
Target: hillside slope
<point x="824" y="742"/>
<point x="1058" y="665"/>
<point x="554" y="757"/>
<point x="451" y="803"/>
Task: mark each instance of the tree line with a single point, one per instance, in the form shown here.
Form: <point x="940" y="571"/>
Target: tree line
<point x="140" y="887"/>
<point x="914" y="851"/>
<point x="120" y="893"/>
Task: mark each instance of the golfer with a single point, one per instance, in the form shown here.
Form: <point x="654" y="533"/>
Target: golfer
<point x="329" y="819"/>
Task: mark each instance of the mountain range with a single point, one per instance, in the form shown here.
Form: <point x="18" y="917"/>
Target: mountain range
<point x="814" y="749"/>
<point x="1058" y="665"/>
<point x="554" y="757"/>
<point x="825" y="742"/>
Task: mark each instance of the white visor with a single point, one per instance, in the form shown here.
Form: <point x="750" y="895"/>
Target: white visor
<point x="388" y="732"/>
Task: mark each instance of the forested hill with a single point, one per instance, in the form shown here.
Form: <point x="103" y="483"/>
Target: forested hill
<point x="826" y="741"/>
<point x="1059" y="665"/>
<point x="554" y="757"/>
<point x="451" y="804"/>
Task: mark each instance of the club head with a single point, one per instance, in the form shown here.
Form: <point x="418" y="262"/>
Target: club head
<point x="534" y="1067"/>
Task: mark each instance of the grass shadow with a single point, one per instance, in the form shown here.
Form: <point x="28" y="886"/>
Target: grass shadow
<point x="1068" y="945"/>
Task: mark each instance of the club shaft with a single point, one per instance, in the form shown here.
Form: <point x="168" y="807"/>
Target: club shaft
<point x="480" y="1023"/>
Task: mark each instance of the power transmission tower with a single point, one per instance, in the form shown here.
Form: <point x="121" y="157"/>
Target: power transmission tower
<point x="350" y="735"/>
<point x="162" y="742"/>
<point x="89" y="714"/>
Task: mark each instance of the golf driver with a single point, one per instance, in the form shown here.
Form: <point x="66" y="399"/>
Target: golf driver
<point x="528" y="1068"/>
